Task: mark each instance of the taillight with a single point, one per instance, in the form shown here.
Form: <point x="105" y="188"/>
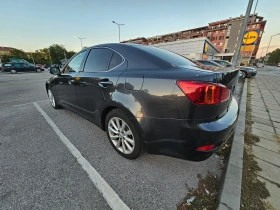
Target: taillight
<point x="204" y="93"/>
<point x="206" y="148"/>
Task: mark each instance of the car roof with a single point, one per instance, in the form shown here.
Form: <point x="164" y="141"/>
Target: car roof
<point x="136" y="57"/>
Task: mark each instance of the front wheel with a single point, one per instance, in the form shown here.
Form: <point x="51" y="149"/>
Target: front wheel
<point x="123" y="135"/>
<point x="53" y="100"/>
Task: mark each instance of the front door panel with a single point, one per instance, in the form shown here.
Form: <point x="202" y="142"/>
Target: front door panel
<point x="66" y="91"/>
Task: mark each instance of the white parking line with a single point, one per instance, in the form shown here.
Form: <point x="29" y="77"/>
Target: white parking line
<point x="29" y="103"/>
<point x="108" y="193"/>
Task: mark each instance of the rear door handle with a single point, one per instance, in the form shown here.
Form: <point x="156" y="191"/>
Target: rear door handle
<point x="104" y="84"/>
<point x="71" y="81"/>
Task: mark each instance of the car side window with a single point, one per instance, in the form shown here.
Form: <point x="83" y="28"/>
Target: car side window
<point x="76" y="63"/>
<point x="98" y="60"/>
<point x="17" y="65"/>
<point x="115" y="60"/>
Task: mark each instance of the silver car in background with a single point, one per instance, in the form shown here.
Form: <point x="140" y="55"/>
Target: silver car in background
<point x="248" y="71"/>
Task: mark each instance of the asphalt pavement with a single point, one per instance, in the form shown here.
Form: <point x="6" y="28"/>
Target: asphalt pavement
<point x="39" y="171"/>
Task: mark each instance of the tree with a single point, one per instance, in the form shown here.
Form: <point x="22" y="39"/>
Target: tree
<point x="70" y="54"/>
<point x="57" y="53"/>
<point x="5" y="57"/>
<point x="54" y="54"/>
<point x="15" y="53"/>
<point x="274" y="57"/>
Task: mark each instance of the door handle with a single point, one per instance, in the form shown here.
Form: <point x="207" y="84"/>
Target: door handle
<point x="71" y="81"/>
<point x="104" y="84"/>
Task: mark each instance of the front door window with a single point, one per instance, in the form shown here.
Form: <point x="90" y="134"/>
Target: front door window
<point x="76" y="63"/>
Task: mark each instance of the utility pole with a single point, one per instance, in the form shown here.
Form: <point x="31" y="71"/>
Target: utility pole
<point x="119" y="25"/>
<point x="248" y="34"/>
<point x="237" y="51"/>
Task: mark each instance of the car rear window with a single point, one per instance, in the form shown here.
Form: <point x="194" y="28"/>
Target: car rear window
<point x="168" y="56"/>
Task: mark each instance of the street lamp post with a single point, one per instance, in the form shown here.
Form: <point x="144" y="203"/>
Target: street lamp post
<point x="80" y="40"/>
<point x="269" y="44"/>
<point x="119" y="25"/>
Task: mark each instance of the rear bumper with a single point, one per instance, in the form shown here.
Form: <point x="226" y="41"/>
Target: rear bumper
<point x="254" y="73"/>
<point x="181" y="138"/>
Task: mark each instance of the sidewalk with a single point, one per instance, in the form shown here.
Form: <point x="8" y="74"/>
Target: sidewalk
<point x="265" y="104"/>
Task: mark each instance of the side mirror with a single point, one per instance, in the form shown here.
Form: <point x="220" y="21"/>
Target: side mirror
<point x="55" y="70"/>
<point x="228" y="65"/>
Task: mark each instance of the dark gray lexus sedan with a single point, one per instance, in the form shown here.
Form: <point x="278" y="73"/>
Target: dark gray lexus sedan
<point x="149" y="99"/>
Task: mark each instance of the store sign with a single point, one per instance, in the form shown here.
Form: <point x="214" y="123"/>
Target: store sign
<point x="250" y="37"/>
<point x="247" y="48"/>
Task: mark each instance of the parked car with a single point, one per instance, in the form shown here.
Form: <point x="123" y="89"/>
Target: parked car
<point x="209" y="63"/>
<point x="146" y="97"/>
<point x="216" y="65"/>
<point x="20" y="67"/>
<point x="46" y="66"/>
<point x="248" y="71"/>
<point x="278" y="65"/>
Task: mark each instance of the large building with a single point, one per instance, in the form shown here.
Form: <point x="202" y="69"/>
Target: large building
<point x="223" y="34"/>
<point x="197" y="49"/>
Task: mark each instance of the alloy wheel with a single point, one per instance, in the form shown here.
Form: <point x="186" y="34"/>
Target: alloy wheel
<point x="51" y="98"/>
<point x="121" y="135"/>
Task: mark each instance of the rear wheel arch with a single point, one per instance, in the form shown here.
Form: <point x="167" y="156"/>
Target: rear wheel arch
<point x="109" y="108"/>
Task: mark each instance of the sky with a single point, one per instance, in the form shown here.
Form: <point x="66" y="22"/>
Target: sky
<point x="35" y="24"/>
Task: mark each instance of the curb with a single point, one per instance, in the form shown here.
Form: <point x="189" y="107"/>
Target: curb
<point x="231" y="188"/>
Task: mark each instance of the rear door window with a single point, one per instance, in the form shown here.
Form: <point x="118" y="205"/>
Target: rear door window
<point x="115" y="60"/>
<point x="17" y="65"/>
<point x="98" y="60"/>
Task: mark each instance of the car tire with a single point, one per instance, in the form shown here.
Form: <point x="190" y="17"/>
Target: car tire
<point x="123" y="134"/>
<point x="38" y="70"/>
<point x="13" y="71"/>
<point x="53" y="100"/>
